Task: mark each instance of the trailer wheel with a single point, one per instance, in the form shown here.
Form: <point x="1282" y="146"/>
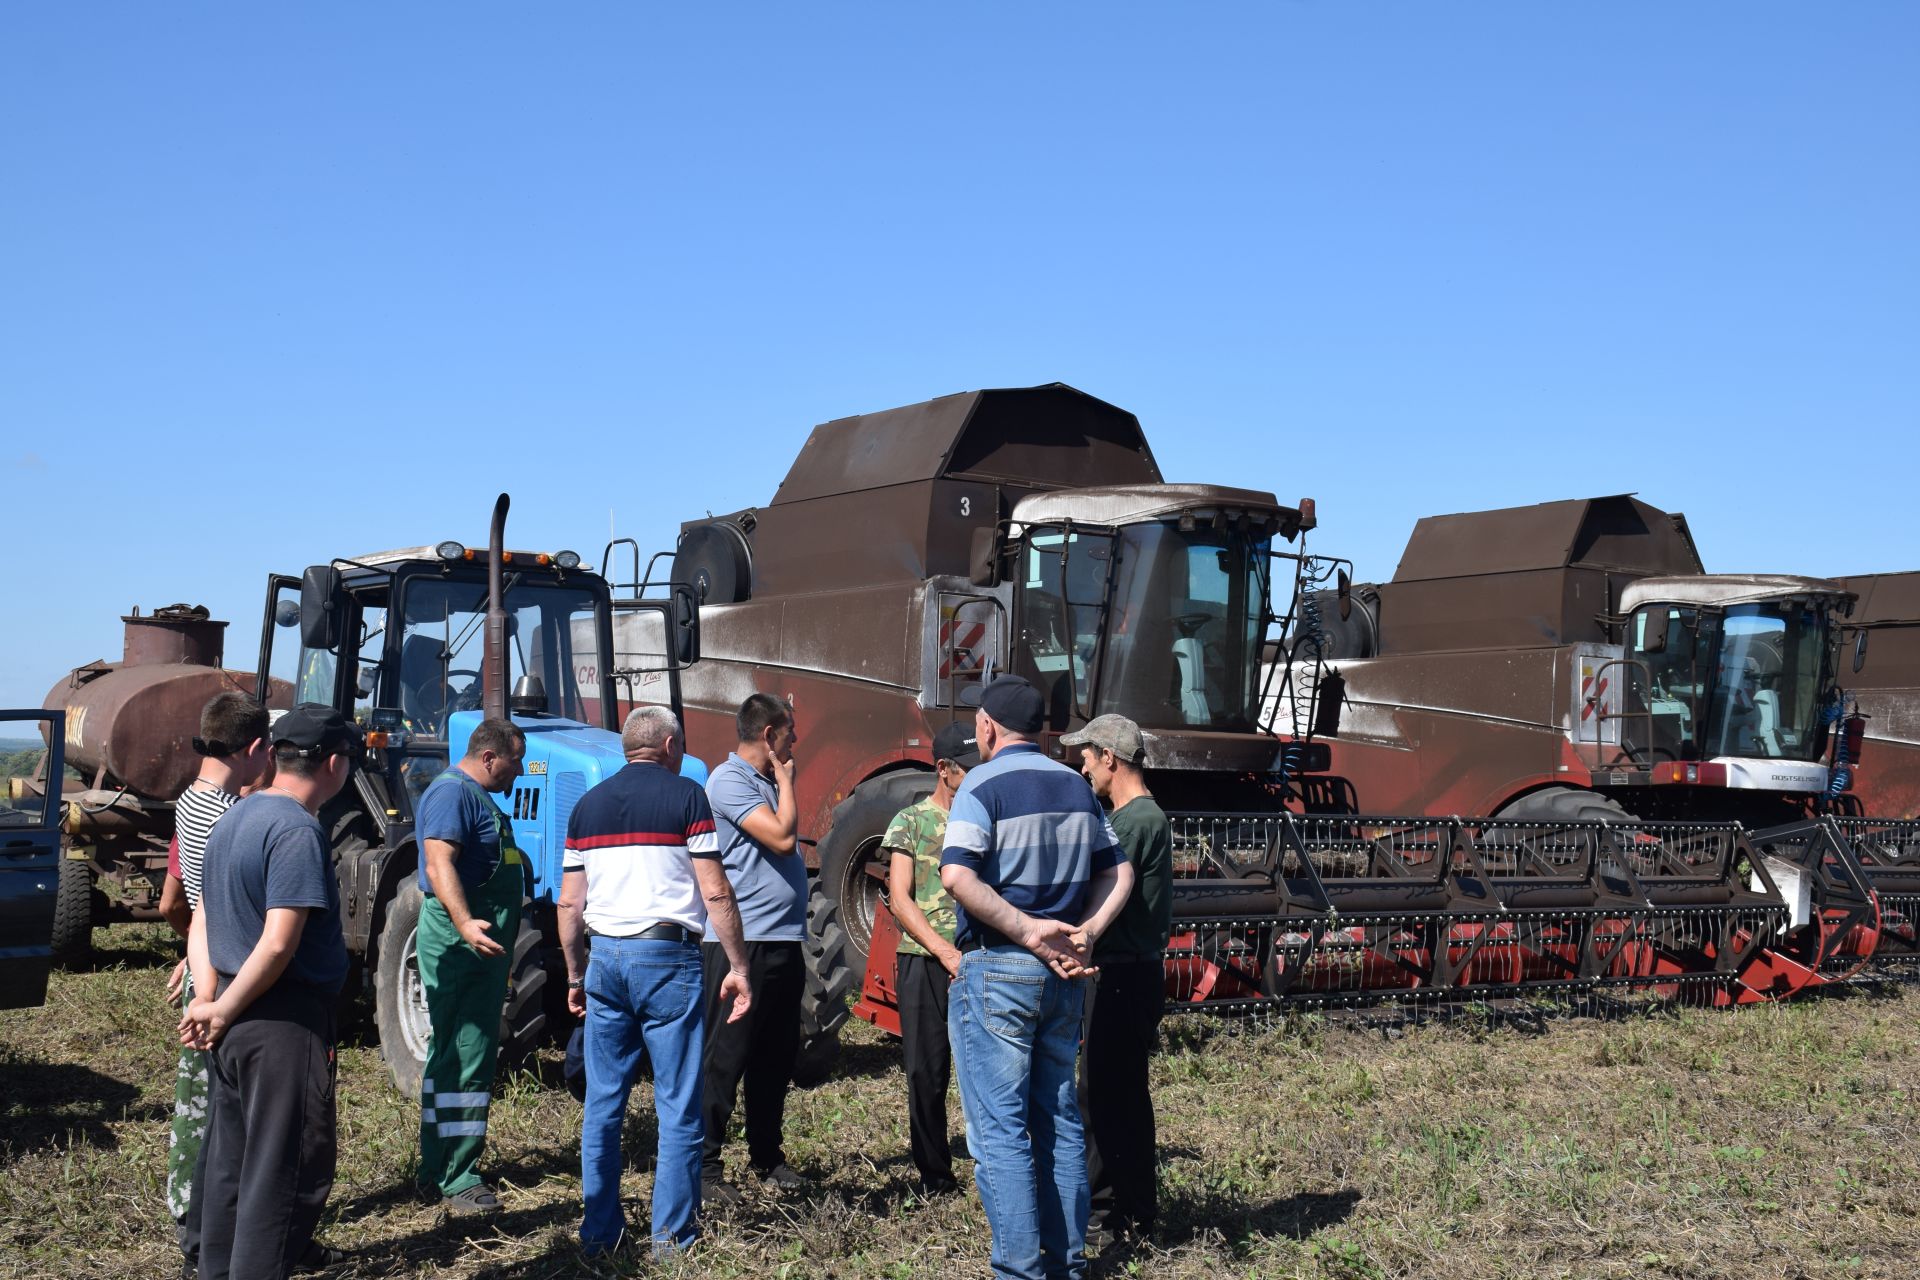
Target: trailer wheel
<point x="523" y="1020"/>
<point x="399" y="999"/>
<point x="823" y="1004"/>
<point x="73" y="913"/>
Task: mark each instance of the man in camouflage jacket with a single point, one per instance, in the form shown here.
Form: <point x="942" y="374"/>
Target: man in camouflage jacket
<point x="927" y="959"/>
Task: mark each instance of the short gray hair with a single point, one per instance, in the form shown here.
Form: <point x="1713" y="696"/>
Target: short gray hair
<point x="648" y="728"/>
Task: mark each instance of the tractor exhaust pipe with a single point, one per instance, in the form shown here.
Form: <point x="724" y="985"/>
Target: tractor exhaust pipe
<point x="493" y="667"/>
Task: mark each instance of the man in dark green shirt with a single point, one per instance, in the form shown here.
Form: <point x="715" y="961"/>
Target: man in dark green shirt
<point x="1128" y="993"/>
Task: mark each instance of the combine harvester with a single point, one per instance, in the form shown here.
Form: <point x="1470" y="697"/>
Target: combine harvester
<point x="1571" y="662"/>
<point x="910" y="552"/>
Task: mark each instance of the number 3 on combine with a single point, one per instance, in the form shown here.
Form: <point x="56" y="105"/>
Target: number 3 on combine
<point x="966" y="506"/>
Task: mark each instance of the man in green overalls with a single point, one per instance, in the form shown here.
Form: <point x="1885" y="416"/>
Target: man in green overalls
<point x="476" y="879"/>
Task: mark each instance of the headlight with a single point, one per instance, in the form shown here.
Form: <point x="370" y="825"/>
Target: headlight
<point x="450" y="550"/>
<point x="568" y="559"/>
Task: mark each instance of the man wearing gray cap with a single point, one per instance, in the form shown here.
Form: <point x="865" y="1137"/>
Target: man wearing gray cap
<point x="1128" y="993"/>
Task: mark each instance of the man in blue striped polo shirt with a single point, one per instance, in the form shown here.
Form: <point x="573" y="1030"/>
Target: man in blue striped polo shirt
<point x="1036" y="876"/>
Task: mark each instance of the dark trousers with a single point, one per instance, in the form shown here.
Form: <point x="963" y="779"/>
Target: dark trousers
<point x="921" y="983"/>
<point x="266" y="1168"/>
<point x="760" y="1047"/>
<point x="1124" y="1004"/>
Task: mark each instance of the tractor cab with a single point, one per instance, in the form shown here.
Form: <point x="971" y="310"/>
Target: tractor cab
<point x="1739" y="678"/>
<point x="395" y="640"/>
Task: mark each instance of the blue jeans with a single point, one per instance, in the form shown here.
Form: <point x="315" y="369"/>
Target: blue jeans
<point x="642" y="994"/>
<point x="1015" y="1029"/>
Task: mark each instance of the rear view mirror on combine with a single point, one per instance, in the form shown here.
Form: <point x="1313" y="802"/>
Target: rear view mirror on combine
<point x="286" y="613"/>
<point x="1346" y="595"/>
<point x="322" y="608"/>
<point x="1860" y="651"/>
<point x="686" y="625"/>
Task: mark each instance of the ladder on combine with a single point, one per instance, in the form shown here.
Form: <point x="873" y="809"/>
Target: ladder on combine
<point x="1311" y="911"/>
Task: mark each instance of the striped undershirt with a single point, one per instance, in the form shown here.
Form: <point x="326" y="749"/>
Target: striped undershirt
<point x="194" y="814"/>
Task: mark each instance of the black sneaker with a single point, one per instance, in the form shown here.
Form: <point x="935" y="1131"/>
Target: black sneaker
<point x="934" y="1188"/>
<point x="717" y="1193"/>
<point x="478" y="1198"/>
<point x="319" y="1257"/>
<point x="781" y="1177"/>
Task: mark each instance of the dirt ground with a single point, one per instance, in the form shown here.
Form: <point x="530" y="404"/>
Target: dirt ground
<point x="1771" y="1142"/>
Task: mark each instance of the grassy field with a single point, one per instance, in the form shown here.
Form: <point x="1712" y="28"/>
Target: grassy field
<point x="1773" y="1142"/>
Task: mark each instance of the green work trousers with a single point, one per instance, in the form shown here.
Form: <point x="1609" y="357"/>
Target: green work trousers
<point x="189" y="1127"/>
<point x="465" y="995"/>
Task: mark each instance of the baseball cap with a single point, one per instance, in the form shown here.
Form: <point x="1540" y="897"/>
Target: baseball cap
<point x="316" y="729"/>
<point x="1110" y="733"/>
<point x="956" y="742"/>
<point x="1012" y="701"/>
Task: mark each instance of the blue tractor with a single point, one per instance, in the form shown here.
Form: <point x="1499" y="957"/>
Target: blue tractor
<point x="417" y="645"/>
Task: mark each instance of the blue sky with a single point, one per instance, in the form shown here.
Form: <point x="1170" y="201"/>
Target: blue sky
<point x="279" y="283"/>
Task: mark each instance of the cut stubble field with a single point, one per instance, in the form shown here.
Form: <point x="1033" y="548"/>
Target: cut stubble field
<point x="1773" y="1141"/>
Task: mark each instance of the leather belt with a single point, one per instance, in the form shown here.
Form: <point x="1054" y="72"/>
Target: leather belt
<point x="668" y="932"/>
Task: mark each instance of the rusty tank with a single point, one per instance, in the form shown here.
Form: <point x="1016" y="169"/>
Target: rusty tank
<point x="130" y="730"/>
<point x="130" y="724"/>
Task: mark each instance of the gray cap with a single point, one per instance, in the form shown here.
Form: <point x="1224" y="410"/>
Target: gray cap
<point x="1110" y="733"/>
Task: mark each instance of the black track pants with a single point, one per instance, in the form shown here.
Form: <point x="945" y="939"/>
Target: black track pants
<point x="760" y="1047"/>
<point x="267" y="1164"/>
<point x="1124" y="1005"/>
<point x="922" y="982"/>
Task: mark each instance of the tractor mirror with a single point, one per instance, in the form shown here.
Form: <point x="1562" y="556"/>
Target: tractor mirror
<point x="1860" y="651"/>
<point x="1345" y="581"/>
<point x="685" y="624"/>
<point x="1655" y="641"/>
<point x="286" y="613"/>
<point x="983" y="562"/>
<point x="323" y="608"/>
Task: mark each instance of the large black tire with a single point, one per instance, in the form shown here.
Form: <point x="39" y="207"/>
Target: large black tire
<point x="73" y="913"/>
<point x="523" y="1020"/>
<point x="823" y="1005"/>
<point x="399" y="1001"/>
<point x="852" y="871"/>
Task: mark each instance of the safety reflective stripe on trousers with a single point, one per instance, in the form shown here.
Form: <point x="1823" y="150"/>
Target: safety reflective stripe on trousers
<point x="439" y="1102"/>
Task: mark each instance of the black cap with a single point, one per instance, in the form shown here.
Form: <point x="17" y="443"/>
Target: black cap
<point x="956" y="743"/>
<point x="316" y="729"/>
<point x="1012" y="701"/>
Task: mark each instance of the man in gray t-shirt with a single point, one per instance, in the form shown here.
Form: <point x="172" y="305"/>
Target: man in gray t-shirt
<point x="756" y="817"/>
<point x="268" y="961"/>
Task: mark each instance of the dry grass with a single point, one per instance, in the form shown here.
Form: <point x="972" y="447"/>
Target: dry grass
<point x="1777" y="1142"/>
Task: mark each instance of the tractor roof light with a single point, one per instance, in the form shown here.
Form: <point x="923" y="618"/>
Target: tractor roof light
<point x="568" y="559"/>
<point x="450" y="550"/>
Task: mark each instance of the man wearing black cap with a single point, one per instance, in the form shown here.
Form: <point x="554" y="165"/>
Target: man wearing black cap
<point x="1037" y="876"/>
<point x="927" y="959"/>
<point x="268" y="962"/>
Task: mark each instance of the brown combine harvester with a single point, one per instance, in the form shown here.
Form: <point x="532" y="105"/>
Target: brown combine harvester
<point x="129" y="728"/>
<point x="1030" y="530"/>
<point x="1571" y="662"/>
<point x="906" y="553"/>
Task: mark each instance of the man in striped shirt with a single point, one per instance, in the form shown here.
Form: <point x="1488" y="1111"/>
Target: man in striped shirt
<point x="1037" y="876"/>
<point x="234" y="756"/>
<point x="642" y="875"/>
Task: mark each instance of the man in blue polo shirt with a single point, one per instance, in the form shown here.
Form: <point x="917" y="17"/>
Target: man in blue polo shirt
<point x="1036" y="876"/>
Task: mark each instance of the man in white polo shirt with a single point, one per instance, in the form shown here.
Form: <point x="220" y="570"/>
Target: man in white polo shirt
<point x="642" y="874"/>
